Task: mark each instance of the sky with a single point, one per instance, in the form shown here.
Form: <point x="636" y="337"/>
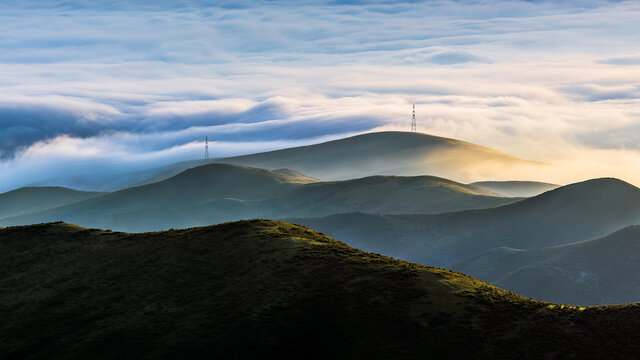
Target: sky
<point x="119" y="86"/>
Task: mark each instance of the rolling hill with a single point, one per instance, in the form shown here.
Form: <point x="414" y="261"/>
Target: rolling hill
<point x="174" y="202"/>
<point x="221" y="192"/>
<point x="388" y="153"/>
<point x="270" y="290"/>
<point x="381" y="153"/>
<point x="32" y="199"/>
<point x="384" y="195"/>
<point x="568" y="214"/>
<point x="516" y="188"/>
<point x="600" y="271"/>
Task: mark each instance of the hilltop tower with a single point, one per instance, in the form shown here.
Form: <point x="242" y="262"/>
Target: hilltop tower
<point x="206" y="148"/>
<point x="413" y="120"/>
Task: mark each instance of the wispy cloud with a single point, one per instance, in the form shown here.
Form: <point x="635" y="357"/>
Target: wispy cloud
<point x="147" y="80"/>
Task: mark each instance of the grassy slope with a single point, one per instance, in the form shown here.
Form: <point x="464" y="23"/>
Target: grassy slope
<point x="265" y="289"/>
<point x="516" y="188"/>
<point x="600" y="271"/>
<point x="568" y="214"/>
<point x="31" y="199"/>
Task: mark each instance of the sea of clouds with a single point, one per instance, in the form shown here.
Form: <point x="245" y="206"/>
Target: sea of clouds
<point x="105" y="88"/>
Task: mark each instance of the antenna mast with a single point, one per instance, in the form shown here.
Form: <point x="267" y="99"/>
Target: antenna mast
<point x="413" y="119"/>
<point x="206" y="148"/>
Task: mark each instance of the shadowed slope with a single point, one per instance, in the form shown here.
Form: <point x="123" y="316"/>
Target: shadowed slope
<point x="222" y="192"/>
<point x="387" y="153"/>
<point x="170" y="203"/>
<point x="265" y="289"/>
<point x="601" y="271"/>
<point x="32" y="199"/>
<point x="516" y="188"/>
<point x="384" y="195"/>
<point x="571" y="213"/>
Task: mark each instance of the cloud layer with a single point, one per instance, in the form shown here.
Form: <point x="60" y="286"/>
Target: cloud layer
<point x="122" y="85"/>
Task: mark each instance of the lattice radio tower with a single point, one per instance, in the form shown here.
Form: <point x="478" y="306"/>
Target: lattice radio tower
<point x="206" y="148"/>
<point x="413" y="119"/>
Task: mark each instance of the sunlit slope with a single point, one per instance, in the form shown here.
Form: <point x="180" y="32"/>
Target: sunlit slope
<point x="32" y="199"/>
<point x="601" y="271"/>
<point x="389" y="153"/>
<point x="222" y="192"/>
<point x="568" y="214"/>
<point x="516" y="188"/>
<point x="269" y="290"/>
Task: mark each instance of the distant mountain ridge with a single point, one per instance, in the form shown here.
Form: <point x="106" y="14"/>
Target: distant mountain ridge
<point x="32" y="199"/>
<point x="570" y="213"/>
<point x="387" y="153"/>
<point x="270" y="290"/>
<point x="222" y="192"/>
<point x="378" y="153"/>
<point x="601" y="271"/>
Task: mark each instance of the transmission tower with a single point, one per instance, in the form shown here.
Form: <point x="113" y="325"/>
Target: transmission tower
<point x="206" y="148"/>
<point x="413" y="119"/>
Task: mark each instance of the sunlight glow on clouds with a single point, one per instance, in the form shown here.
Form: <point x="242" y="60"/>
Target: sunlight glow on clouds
<point x="143" y="82"/>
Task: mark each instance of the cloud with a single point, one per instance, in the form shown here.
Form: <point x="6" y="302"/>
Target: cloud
<point x="147" y="80"/>
<point x="456" y="57"/>
<point x="23" y="123"/>
<point x="622" y="60"/>
<point x="595" y="92"/>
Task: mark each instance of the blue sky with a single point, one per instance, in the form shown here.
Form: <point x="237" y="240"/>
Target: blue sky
<point x="125" y="85"/>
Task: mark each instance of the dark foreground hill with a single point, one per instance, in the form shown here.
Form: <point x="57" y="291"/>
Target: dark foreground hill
<point x="31" y="199"/>
<point x="601" y="271"/>
<point x="222" y="192"/>
<point x="270" y="290"/>
<point x="568" y="214"/>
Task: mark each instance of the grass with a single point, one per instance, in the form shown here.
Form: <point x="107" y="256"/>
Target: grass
<point x="267" y="289"/>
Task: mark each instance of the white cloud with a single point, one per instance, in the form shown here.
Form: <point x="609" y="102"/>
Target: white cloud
<point x="148" y="79"/>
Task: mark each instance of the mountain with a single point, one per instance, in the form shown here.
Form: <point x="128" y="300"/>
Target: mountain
<point x="150" y="176"/>
<point x="568" y="214"/>
<point x="175" y="202"/>
<point x="601" y="271"/>
<point x="384" y="195"/>
<point x="388" y="153"/>
<point x="31" y="199"/>
<point x="221" y="192"/>
<point x="381" y="153"/>
<point x="270" y="290"/>
<point x="516" y="188"/>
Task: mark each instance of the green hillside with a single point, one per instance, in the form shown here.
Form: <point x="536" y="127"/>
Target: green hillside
<point x="32" y="199"/>
<point x="600" y="271"/>
<point x="269" y="290"/>
<point x="568" y="214"/>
